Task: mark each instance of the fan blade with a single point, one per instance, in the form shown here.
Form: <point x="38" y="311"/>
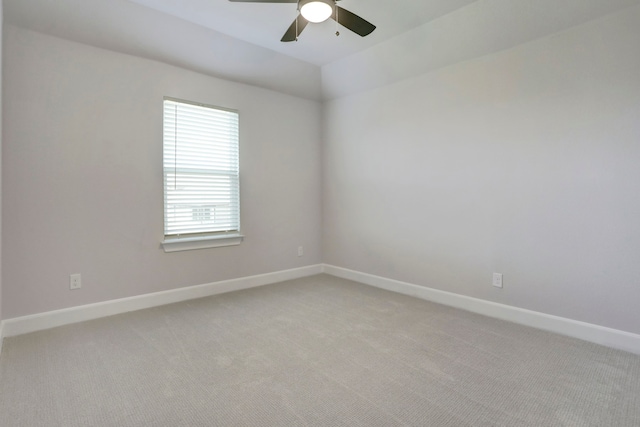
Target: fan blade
<point x="352" y="21"/>
<point x="264" y="1"/>
<point x="290" y="35"/>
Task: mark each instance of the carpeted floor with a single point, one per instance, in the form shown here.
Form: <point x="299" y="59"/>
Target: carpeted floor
<point x="319" y="351"/>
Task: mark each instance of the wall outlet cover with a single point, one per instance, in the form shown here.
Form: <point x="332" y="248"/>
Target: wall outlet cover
<point x="75" y="281"/>
<point x="497" y="280"/>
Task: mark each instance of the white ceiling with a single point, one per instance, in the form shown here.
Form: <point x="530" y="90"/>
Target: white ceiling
<point x="264" y="24"/>
<point x="241" y="41"/>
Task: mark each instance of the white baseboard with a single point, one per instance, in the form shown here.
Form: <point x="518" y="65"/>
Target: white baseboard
<point x="585" y="331"/>
<point x="51" y="319"/>
<point x="597" y="334"/>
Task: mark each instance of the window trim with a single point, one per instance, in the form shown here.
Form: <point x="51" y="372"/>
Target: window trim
<point x="189" y="243"/>
<point x="186" y="242"/>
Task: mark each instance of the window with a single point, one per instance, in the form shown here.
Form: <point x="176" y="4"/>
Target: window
<point x="201" y="176"/>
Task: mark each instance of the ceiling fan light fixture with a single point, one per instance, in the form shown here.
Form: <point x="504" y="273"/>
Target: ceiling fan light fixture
<point x="316" y="10"/>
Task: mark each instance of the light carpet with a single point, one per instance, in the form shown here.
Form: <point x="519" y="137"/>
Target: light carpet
<point x="318" y="351"/>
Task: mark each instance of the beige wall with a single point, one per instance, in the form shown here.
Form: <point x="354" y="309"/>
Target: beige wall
<point x="523" y="162"/>
<point x="82" y="189"/>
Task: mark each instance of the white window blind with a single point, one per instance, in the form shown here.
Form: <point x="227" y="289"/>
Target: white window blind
<point x="201" y="173"/>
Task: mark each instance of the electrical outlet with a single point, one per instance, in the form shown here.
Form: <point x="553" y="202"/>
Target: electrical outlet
<point x="300" y="251"/>
<point x="497" y="280"/>
<point x="74" y="281"/>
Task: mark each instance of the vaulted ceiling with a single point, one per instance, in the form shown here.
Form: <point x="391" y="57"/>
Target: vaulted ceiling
<point x="241" y="41"/>
<point x="264" y="24"/>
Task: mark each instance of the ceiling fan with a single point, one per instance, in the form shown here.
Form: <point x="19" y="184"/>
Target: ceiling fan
<point x="316" y="11"/>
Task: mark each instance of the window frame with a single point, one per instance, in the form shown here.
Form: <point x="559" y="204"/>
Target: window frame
<point x="200" y="239"/>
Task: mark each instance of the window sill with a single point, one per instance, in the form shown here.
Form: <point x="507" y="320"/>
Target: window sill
<point x="200" y="242"/>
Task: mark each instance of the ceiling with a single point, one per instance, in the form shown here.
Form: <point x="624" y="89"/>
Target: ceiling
<point x="241" y="41"/>
<point x="264" y="24"/>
